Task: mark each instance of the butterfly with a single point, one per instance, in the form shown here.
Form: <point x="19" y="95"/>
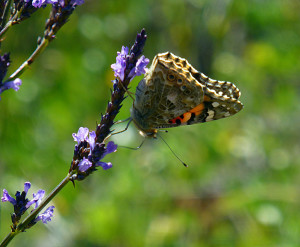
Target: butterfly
<point x="173" y="93"/>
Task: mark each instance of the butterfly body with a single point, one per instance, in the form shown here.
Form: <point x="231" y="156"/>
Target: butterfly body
<point x="173" y="93"/>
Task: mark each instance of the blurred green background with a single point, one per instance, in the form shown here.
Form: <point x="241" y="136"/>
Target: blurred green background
<point x="242" y="185"/>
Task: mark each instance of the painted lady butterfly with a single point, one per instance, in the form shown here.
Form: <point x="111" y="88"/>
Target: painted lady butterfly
<point x="173" y="93"/>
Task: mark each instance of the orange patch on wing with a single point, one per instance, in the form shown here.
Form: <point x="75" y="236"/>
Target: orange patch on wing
<point x="198" y="109"/>
<point x="185" y="117"/>
<point x="206" y="98"/>
<point x="181" y="119"/>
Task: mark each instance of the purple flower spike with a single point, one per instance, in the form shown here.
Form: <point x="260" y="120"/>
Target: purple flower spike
<point x="22" y="203"/>
<point x="84" y="164"/>
<point x="46" y="216"/>
<point x="89" y="155"/>
<point x="7" y="198"/>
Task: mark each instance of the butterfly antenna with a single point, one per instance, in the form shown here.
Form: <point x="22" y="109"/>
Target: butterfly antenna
<point x="172" y="151"/>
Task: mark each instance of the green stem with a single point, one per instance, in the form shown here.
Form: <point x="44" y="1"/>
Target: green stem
<point x="5" y="13"/>
<point x="7" y="26"/>
<point x="43" y="44"/>
<point x="22" y="226"/>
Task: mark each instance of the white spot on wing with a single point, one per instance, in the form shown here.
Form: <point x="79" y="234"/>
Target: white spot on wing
<point x="226" y="114"/>
<point x="210" y="116"/>
<point x="215" y="104"/>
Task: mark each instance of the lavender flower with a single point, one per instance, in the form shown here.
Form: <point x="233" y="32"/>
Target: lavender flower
<point x="126" y="61"/>
<point x="140" y="67"/>
<point x="15" y="85"/>
<point x="23" y="9"/>
<point x="90" y="151"/>
<point x="21" y="204"/>
<point x="37" y="198"/>
<point x="46" y="216"/>
<point x="81" y="135"/>
<point x="84" y="164"/>
<point x="7" y="198"/>
<point x="120" y="66"/>
<point x="111" y="147"/>
<point x="90" y="148"/>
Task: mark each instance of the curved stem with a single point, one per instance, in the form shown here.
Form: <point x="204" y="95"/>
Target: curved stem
<point x="6" y="27"/>
<point x="22" y="226"/>
<point x="43" y="44"/>
<point x="5" y="13"/>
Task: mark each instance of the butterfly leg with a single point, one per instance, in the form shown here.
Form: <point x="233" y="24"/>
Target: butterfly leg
<point x="122" y="121"/>
<point x="136" y="147"/>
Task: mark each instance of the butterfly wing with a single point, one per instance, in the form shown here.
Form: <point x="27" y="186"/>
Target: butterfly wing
<point x="173" y="93"/>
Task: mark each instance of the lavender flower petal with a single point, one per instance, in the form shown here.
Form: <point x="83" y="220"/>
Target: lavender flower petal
<point x="7" y="198"/>
<point x="140" y="67"/>
<point x="37" y="198"/>
<point x="110" y="148"/>
<point x="141" y="64"/>
<point x="84" y="164"/>
<point x="120" y="65"/>
<point x="104" y="165"/>
<point x="46" y="216"/>
<point x="124" y="51"/>
<point x="81" y="135"/>
<point x="27" y="186"/>
<point x="15" y="84"/>
<point x="91" y="139"/>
